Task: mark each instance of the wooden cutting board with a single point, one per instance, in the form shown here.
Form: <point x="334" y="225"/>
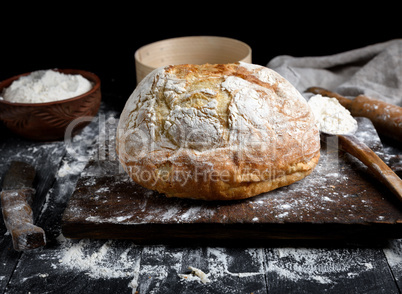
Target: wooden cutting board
<point x="339" y="200"/>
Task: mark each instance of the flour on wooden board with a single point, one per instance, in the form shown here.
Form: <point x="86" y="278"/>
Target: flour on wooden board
<point x="326" y="177"/>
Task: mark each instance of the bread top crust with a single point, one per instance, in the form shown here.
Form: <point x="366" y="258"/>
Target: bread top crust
<point x="238" y="117"/>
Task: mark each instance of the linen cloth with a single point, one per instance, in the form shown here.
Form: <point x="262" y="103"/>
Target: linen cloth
<point x="374" y="70"/>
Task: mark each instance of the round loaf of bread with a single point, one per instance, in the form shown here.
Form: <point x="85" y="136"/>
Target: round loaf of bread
<point x="216" y="132"/>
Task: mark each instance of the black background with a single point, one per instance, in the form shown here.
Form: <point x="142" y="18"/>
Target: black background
<point x="103" y="38"/>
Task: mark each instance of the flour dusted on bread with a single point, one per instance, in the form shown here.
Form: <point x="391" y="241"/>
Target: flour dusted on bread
<point x="216" y="132"/>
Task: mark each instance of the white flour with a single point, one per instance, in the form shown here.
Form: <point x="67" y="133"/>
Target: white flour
<point x="45" y="86"/>
<point x="110" y="259"/>
<point x="196" y="274"/>
<point x="331" y="116"/>
<point x="98" y="264"/>
<point x="322" y="266"/>
<point x="107" y="261"/>
<point x="147" y="269"/>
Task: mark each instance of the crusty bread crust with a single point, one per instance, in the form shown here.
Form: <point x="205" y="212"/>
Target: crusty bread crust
<point x="216" y="132"/>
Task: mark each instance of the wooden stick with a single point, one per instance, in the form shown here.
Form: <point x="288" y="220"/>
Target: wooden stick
<point x="383" y="172"/>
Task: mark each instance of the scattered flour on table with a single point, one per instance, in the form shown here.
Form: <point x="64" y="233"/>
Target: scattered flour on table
<point x="100" y="259"/>
<point x="393" y="253"/>
<point x="106" y="261"/>
<point x="317" y="265"/>
<point x="219" y="263"/>
<point x="45" y="86"/>
<point x="69" y="168"/>
<point x="84" y="146"/>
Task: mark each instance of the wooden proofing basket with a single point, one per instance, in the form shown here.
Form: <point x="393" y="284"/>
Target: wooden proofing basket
<point x="191" y="50"/>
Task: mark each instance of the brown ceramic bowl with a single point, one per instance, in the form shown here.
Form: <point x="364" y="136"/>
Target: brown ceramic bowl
<point x="51" y="120"/>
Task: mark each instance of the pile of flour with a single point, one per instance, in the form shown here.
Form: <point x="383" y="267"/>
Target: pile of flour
<point x="45" y="86"/>
<point x="331" y="116"/>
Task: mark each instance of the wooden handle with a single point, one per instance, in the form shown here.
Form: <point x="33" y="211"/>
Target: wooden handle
<point x="382" y="171"/>
<point x="386" y="117"/>
<point x="18" y="218"/>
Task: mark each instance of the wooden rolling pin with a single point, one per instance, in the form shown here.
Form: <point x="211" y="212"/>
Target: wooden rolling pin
<point x="16" y="200"/>
<point x="386" y="117"/>
<point x="380" y="169"/>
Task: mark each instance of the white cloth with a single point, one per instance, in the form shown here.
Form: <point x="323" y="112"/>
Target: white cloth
<point x="375" y="71"/>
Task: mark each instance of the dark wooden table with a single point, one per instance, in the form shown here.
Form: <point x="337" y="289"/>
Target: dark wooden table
<point x="122" y="266"/>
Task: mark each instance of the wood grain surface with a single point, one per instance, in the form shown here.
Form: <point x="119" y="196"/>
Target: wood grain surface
<point x="340" y="199"/>
<point x="279" y="266"/>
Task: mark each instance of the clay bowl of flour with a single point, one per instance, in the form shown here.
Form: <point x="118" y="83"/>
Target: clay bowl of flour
<point x="50" y="104"/>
